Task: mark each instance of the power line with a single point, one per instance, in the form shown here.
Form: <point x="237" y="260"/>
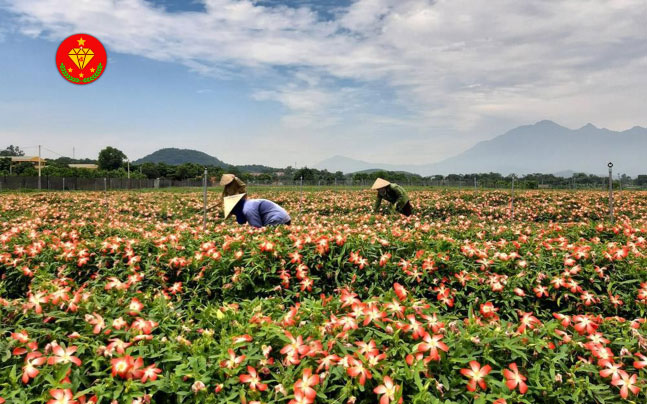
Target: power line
<point x="36" y="147"/>
<point x="52" y="151"/>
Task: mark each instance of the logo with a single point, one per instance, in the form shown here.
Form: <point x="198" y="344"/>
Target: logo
<point x="81" y="59"/>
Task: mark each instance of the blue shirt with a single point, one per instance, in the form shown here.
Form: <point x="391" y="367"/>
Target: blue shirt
<point x="260" y="213"/>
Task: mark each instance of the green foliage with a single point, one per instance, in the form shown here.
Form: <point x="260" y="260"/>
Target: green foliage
<point x="399" y="177"/>
<point x="314" y="176"/>
<point x="73" y="268"/>
<point x="67" y="75"/>
<point x="96" y="74"/>
<point x="111" y="158"/>
<point x="150" y="170"/>
<point x="12" y="150"/>
<point x="5" y="164"/>
<point x="188" y="170"/>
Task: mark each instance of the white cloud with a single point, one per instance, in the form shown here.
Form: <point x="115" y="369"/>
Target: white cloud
<point x="455" y="65"/>
<point x="297" y="99"/>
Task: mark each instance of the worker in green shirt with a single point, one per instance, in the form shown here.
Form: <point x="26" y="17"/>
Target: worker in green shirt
<point x="232" y="185"/>
<point x="393" y="193"/>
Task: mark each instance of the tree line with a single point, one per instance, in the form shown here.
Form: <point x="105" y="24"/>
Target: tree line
<point x="113" y="163"/>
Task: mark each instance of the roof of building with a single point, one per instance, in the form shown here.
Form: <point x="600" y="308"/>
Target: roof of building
<point x="26" y="159"/>
<point x="88" y="166"/>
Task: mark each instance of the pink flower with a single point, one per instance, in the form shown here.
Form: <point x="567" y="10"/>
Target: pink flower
<point x="150" y="373"/>
<point x="61" y="396"/>
<point x="253" y="379"/>
<point x="198" y="386"/>
<point x="626" y="383"/>
<point x="514" y="379"/>
<point x="63" y="355"/>
<point x="306" y="382"/>
<point x="387" y="390"/>
<point x="476" y="374"/>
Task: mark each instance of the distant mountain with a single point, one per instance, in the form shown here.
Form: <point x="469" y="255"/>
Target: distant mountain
<point x="348" y="165"/>
<point x="373" y="170"/>
<point x="548" y="147"/>
<point x="544" y="147"/>
<point x="176" y="157"/>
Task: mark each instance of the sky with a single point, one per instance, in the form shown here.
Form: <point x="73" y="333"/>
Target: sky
<point x="285" y="82"/>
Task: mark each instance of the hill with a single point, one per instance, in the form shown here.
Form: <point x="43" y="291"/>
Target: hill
<point x="543" y="147"/>
<point x="374" y="170"/>
<point x="256" y="168"/>
<point x="348" y="165"/>
<point x="174" y="157"/>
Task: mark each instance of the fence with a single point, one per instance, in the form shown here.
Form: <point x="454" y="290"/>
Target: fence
<point x="90" y="184"/>
<point x="469" y="184"/>
<point x="99" y="184"/>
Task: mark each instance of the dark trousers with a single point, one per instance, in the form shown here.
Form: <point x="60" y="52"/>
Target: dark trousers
<point x="406" y="209"/>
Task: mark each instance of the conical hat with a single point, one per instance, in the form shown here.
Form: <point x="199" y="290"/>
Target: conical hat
<point x="380" y="183"/>
<point x="230" y="203"/>
<point x="226" y="179"/>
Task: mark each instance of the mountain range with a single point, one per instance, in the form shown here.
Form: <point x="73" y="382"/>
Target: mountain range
<point x="544" y="147"/>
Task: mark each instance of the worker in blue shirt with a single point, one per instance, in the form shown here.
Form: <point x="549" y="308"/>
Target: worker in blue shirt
<point x="256" y="212"/>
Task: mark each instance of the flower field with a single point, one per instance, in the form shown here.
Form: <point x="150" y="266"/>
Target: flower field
<point x="122" y="297"/>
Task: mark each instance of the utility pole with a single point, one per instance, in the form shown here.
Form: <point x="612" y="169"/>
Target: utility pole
<point x="204" y="218"/>
<point x="128" y="160"/>
<point x="619" y="182"/>
<point x="301" y="198"/>
<point x="610" y="165"/>
<point x="73" y="153"/>
<point x="512" y="200"/>
<point x="105" y="193"/>
<point x="39" y="183"/>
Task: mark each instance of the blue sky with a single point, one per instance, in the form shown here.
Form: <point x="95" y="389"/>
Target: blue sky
<point x="282" y="81"/>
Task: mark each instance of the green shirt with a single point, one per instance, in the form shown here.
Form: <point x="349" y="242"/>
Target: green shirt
<point x="394" y="194"/>
<point x="237" y="186"/>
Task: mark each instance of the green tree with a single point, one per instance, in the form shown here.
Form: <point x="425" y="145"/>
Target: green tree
<point x="111" y="158"/>
<point x="641" y="180"/>
<point x="188" y="170"/>
<point x="307" y="173"/>
<point x="360" y="177"/>
<point x="150" y="170"/>
<point x="5" y="164"/>
<point x="264" y="178"/>
<point x="12" y="151"/>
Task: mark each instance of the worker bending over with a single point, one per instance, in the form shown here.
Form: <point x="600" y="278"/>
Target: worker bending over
<point x="393" y="193"/>
<point x="256" y="212"/>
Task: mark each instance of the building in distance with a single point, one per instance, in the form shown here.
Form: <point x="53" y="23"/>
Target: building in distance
<point x="27" y="159"/>
<point x="84" y="166"/>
